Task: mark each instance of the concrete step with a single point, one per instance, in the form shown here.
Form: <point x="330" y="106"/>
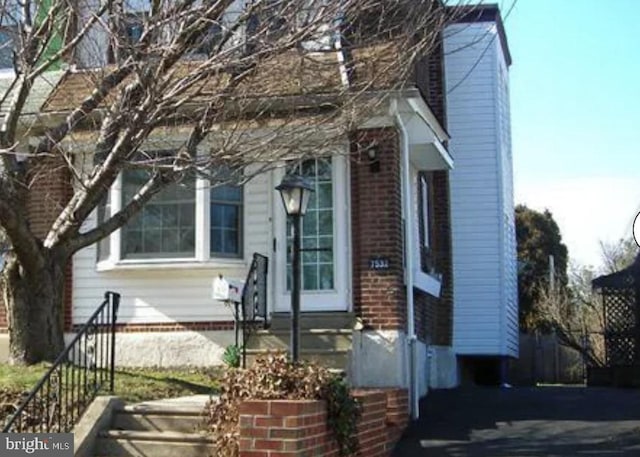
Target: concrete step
<point x="330" y="320"/>
<point x="128" y="443"/>
<point x="158" y="419"/>
<point x="317" y="339"/>
<point x="334" y="359"/>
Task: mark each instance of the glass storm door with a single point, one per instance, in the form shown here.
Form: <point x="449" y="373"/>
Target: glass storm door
<point x="324" y="252"/>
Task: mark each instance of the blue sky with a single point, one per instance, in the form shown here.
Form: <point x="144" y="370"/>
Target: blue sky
<point x="575" y="100"/>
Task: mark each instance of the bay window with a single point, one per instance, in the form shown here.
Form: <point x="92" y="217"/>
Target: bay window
<point x="226" y="221"/>
<point x="10" y="15"/>
<point x="186" y="221"/>
<point x="165" y="227"/>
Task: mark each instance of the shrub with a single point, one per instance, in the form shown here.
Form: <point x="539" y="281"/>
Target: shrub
<point x="232" y="356"/>
<point x="274" y="377"/>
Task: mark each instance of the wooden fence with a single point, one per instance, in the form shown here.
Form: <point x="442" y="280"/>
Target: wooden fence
<point x="544" y="360"/>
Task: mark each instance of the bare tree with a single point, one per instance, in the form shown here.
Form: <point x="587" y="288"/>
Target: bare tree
<point x="618" y="255"/>
<point x="575" y="313"/>
<point x="220" y="89"/>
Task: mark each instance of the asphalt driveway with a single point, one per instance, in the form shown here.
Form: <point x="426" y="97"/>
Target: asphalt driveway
<point x="526" y="422"/>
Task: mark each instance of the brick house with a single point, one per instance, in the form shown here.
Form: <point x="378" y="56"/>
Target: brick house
<point x="390" y="327"/>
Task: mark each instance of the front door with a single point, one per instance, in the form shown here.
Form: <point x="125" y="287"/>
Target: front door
<point x="325" y="272"/>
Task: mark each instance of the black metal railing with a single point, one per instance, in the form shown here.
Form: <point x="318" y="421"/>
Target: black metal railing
<point x="254" y="301"/>
<point x="81" y="371"/>
<point x="254" y="294"/>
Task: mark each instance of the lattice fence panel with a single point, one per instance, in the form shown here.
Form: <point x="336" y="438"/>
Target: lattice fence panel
<point x="621" y="350"/>
<point x="621" y="326"/>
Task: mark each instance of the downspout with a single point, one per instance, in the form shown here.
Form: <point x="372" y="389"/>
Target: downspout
<point x="408" y="255"/>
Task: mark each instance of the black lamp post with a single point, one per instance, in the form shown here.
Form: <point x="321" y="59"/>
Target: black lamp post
<point x="295" y="192"/>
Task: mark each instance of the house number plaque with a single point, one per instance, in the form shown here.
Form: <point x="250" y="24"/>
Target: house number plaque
<point x="379" y="263"/>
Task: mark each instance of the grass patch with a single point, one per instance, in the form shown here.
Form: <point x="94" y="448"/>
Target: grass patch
<point x="141" y="384"/>
<point x="20" y="379"/>
<point x="132" y="384"/>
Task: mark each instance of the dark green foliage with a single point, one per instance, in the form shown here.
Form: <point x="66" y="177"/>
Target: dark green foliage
<point x="342" y="413"/>
<point x="538" y="237"/>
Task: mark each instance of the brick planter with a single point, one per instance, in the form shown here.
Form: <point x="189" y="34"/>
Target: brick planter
<point x="279" y="428"/>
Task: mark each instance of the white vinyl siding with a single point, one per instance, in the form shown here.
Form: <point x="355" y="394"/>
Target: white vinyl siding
<point x="510" y="265"/>
<point x="173" y="292"/>
<point x="485" y="294"/>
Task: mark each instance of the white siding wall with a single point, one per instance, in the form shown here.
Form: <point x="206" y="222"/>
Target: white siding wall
<point x="481" y="191"/>
<point x="509" y="255"/>
<point x="180" y="294"/>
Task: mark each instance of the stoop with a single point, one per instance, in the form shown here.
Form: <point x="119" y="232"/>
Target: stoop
<point x="165" y="428"/>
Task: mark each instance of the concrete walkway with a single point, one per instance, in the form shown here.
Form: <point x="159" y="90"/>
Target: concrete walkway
<point x="526" y="422"/>
<point x="189" y="402"/>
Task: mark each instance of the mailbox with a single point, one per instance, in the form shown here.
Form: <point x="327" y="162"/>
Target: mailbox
<point x="227" y="289"/>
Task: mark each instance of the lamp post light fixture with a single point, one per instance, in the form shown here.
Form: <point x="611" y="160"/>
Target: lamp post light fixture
<point x="295" y="192"/>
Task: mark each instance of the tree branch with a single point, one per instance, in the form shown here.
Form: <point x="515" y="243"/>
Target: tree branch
<point x="16" y="227"/>
<point x="154" y="185"/>
<point x="55" y="135"/>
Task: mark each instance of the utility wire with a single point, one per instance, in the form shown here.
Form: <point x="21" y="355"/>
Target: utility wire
<point x="479" y="59"/>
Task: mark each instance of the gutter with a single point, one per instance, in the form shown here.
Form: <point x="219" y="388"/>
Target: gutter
<point x="409" y="280"/>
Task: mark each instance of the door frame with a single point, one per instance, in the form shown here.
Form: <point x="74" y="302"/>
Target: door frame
<point x="338" y="299"/>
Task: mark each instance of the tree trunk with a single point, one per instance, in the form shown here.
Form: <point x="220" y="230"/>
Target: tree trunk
<point x="34" y="302"/>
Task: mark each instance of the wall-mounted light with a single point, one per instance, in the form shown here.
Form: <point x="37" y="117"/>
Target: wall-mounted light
<point x="373" y="155"/>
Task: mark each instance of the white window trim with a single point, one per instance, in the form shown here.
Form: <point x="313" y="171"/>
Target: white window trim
<point x="424" y="189"/>
<point x="201" y="259"/>
<point x="425" y="282"/>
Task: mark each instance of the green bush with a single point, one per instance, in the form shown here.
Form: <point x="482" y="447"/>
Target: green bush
<point x="232" y="356"/>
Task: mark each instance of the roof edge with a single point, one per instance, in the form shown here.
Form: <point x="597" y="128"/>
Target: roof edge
<point x="489" y="12"/>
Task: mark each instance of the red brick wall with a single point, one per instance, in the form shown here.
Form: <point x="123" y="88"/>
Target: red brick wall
<point x="429" y="78"/>
<point x="50" y="189"/>
<point x="376" y="201"/>
<point x="434" y="316"/>
<point x="278" y="428"/>
<point x="442" y="251"/>
<point x="376" y="221"/>
<point x="3" y="317"/>
<point x="174" y="327"/>
<point x="425" y="316"/>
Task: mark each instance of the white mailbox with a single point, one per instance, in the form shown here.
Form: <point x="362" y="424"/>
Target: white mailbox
<point x="227" y="289"/>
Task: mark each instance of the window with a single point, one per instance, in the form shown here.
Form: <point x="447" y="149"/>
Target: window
<point x="226" y="221"/>
<point x="130" y="27"/>
<point x="104" y="211"/>
<point x="317" y="228"/>
<point x="426" y="221"/>
<point x="9" y="17"/>
<point x="185" y="221"/>
<point x="165" y="227"/>
<point x="275" y="20"/>
<point x="133" y="24"/>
